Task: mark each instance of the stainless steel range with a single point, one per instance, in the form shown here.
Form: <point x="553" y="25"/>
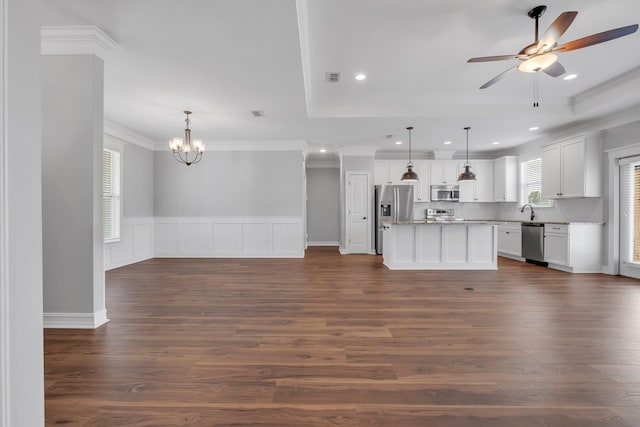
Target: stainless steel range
<point x="441" y="215"/>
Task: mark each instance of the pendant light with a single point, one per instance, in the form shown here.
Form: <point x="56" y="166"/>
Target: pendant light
<point x="467" y="175"/>
<point x="409" y="175"/>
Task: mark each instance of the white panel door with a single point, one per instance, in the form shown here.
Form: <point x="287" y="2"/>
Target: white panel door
<point x="357" y="207"/>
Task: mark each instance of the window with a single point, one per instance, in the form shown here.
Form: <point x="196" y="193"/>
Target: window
<point x="531" y="184"/>
<point x="111" y="195"/>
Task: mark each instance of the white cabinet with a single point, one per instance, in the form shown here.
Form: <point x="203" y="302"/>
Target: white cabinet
<point x="556" y="244"/>
<point x="390" y="171"/>
<point x="510" y="240"/>
<point x="574" y="247"/>
<point x="444" y="172"/>
<point x="480" y="190"/>
<point x="505" y="179"/>
<point x="382" y="172"/>
<point x="572" y="168"/>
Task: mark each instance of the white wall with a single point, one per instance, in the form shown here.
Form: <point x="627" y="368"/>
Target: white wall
<point x="323" y="205"/>
<point x="229" y="183"/>
<point x="137" y="182"/>
<point x="72" y="130"/>
<point x="21" y="349"/>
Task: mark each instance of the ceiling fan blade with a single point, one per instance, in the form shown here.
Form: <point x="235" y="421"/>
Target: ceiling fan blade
<point x="492" y="58"/>
<point x="598" y="38"/>
<point x="496" y="78"/>
<point x="556" y="30"/>
<point x="555" y="70"/>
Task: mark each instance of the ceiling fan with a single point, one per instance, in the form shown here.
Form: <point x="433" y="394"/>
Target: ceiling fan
<point x="539" y="55"/>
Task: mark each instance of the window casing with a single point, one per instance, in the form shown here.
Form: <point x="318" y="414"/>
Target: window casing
<point x="111" y="195"/>
<point x="531" y="184"/>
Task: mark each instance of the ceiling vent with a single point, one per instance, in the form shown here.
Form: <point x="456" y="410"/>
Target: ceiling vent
<point x="333" y="77"/>
<point x="257" y="113"/>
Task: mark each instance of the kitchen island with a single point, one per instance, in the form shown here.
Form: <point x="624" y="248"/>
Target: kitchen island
<point x="440" y="245"/>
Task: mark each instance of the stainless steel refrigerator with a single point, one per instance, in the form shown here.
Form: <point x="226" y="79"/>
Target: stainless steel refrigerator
<point x="392" y="203"/>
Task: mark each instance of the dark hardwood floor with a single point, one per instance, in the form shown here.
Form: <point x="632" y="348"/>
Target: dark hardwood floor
<point x="334" y="340"/>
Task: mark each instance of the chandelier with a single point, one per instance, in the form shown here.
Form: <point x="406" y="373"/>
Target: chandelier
<point x="186" y="150"/>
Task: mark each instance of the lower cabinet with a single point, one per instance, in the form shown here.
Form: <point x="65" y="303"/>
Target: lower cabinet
<point x="556" y="244"/>
<point x="510" y="240"/>
<point x="574" y="247"/>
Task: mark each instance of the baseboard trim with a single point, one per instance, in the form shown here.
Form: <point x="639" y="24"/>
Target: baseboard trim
<point x="75" y="320"/>
<point x="323" y="243"/>
<point x="343" y="251"/>
<point x="127" y="261"/>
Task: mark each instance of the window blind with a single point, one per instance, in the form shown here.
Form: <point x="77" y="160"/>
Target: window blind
<point x="630" y="213"/>
<point x="111" y="195"/>
<point x="531" y="181"/>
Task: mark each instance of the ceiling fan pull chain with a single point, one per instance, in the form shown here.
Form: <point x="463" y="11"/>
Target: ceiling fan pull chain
<point x="536" y="91"/>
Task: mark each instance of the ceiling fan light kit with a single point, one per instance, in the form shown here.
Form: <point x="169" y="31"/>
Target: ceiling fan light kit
<point x="538" y="63"/>
<point x="539" y="56"/>
<point x="410" y="175"/>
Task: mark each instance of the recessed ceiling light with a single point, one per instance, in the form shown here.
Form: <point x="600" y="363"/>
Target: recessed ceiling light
<point x="496" y="142"/>
<point x="534" y="128"/>
<point x="323" y="150"/>
<point x="447" y="143"/>
<point x="398" y="142"/>
<point x="360" y="76"/>
<point x="570" y="76"/>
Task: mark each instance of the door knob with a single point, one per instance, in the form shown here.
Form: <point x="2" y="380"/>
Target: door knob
<point x="364" y="217"/>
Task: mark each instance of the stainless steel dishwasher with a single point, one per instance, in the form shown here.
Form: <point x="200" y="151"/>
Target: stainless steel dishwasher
<point x="533" y="242"/>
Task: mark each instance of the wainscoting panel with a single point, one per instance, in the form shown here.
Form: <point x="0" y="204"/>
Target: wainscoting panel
<point x="135" y="245"/>
<point x="195" y="238"/>
<point x="227" y="238"/>
<point x="239" y="237"/>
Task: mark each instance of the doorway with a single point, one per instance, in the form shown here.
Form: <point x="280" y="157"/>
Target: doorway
<point x="630" y="217"/>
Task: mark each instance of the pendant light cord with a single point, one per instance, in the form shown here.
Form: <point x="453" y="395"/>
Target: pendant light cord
<point x="410" y="128"/>
<point x="467" y="129"/>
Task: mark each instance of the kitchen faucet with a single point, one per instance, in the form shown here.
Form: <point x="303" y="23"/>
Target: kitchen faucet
<point x="533" y="214"/>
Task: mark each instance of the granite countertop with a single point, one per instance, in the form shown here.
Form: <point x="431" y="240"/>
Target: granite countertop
<point x="486" y="221"/>
<point x="430" y="222"/>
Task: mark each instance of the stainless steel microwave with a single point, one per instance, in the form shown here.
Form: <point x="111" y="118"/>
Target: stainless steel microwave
<point x="445" y="193"/>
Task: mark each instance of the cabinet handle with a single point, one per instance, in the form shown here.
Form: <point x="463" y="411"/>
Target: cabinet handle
<point x="555" y="228"/>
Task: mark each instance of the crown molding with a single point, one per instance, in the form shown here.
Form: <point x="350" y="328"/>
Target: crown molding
<point x="124" y="135"/>
<point x="623" y="89"/>
<point x="303" y="32"/>
<point x="358" y="151"/>
<point x="77" y="40"/>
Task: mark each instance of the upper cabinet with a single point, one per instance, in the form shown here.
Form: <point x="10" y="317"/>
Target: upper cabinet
<point x="505" y="181"/>
<point x="572" y="168"/>
<point x="444" y="172"/>
<point x="480" y="190"/>
<point x="388" y="172"/>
